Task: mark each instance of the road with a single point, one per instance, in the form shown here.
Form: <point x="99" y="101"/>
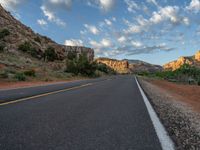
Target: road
<point x="105" y="114"/>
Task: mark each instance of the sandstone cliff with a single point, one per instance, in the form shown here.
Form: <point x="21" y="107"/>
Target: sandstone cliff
<point x="129" y="66"/>
<point x="192" y="60"/>
<point x="120" y="66"/>
<point x="19" y="33"/>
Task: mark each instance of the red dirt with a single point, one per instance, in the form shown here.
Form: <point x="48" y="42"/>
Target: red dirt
<point x="189" y="94"/>
<point x="13" y="85"/>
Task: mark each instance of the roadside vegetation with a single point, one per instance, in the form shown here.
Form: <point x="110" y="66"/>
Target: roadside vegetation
<point x="185" y="74"/>
<point x="21" y="67"/>
<point x="80" y="65"/>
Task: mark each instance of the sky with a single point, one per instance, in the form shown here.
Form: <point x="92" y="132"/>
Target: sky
<point x="156" y="31"/>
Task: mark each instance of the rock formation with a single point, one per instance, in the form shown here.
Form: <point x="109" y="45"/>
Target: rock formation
<point x="129" y="66"/>
<point x="137" y="66"/>
<point x="19" y="33"/>
<point x="192" y="60"/>
<point x="197" y="56"/>
<point x="120" y="66"/>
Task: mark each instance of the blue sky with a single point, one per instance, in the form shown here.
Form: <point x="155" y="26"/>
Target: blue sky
<point x="151" y="30"/>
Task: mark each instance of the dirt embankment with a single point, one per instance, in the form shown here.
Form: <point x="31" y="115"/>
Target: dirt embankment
<point x="178" y="107"/>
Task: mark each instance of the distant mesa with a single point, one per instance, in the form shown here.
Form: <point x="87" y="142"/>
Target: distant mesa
<point x="191" y="60"/>
<point x="129" y="66"/>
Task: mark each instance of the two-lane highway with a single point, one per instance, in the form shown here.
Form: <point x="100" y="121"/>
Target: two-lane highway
<point x="106" y="115"/>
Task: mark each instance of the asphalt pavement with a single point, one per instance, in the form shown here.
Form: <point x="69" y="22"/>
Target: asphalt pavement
<point x="107" y="114"/>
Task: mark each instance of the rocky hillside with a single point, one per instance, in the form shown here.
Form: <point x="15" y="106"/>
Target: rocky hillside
<point x="192" y="60"/>
<point x="129" y="66"/>
<point x="20" y="34"/>
<point x="120" y="66"/>
<point x="137" y="66"/>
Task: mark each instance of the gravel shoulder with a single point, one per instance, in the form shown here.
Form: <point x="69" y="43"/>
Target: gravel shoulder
<point x="180" y="118"/>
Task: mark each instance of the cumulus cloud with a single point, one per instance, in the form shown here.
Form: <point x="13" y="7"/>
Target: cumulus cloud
<point x="136" y="43"/>
<point x="11" y="4"/>
<point x="122" y="39"/>
<point x="51" y="7"/>
<point x="41" y="22"/>
<point x="103" y="5"/>
<point x="92" y="29"/>
<point x="132" y="6"/>
<point x="51" y="16"/>
<point x="73" y="42"/>
<point x="153" y="2"/>
<point x="104" y="43"/>
<point x="194" y="6"/>
<point x="108" y="22"/>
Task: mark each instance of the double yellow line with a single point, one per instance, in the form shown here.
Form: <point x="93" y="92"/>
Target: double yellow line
<point x="45" y="94"/>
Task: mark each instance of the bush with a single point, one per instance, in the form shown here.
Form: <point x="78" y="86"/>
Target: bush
<point x="25" y="47"/>
<point x="37" y="39"/>
<point x="71" y="55"/>
<point x="81" y="65"/>
<point x="4" y="74"/>
<point x="30" y="73"/>
<point x="2" y="46"/>
<point x="4" y="33"/>
<point x="105" y="69"/>
<point x="50" y="54"/>
<point x="20" y="76"/>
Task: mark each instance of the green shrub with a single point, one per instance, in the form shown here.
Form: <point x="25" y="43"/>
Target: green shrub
<point x="20" y="76"/>
<point x="25" y="47"/>
<point x="4" y="74"/>
<point x="71" y="55"/>
<point x="81" y="65"/>
<point x="37" y="39"/>
<point x="2" y="46"/>
<point x="30" y="73"/>
<point x="4" y="33"/>
<point x="50" y="54"/>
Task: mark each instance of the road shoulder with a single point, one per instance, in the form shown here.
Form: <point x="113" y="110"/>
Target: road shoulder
<point x="181" y="121"/>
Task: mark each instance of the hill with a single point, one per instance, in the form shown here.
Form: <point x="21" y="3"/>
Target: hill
<point x="23" y="50"/>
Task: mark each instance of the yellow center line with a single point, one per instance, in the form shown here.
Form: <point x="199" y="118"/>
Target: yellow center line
<point x="45" y="94"/>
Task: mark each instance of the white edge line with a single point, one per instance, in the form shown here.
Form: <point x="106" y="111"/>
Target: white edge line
<point x="165" y="140"/>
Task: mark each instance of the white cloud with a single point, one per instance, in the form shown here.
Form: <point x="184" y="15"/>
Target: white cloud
<point x="51" y="16"/>
<point x="11" y="4"/>
<point x="166" y="13"/>
<point x="121" y="39"/>
<point x="108" y="22"/>
<point x="66" y="4"/>
<point x="104" y="43"/>
<point x="136" y="43"/>
<point x="74" y="42"/>
<point x="153" y="2"/>
<point x="106" y="5"/>
<point x="194" y="6"/>
<point x="132" y="6"/>
<point x="92" y="29"/>
<point x="41" y="22"/>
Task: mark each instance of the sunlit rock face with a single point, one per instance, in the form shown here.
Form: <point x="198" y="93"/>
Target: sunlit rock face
<point x="197" y="56"/>
<point x="19" y="33"/>
<point x="120" y="66"/>
<point x="192" y="60"/>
